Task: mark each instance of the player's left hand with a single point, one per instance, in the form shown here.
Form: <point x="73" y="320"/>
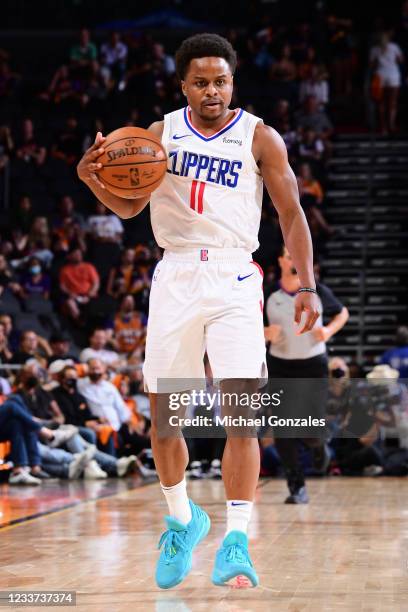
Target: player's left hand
<point x="309" y="303"/>
<point x="321" y="334"/>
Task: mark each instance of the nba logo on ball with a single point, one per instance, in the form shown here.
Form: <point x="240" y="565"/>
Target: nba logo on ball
<point x="134" y="177"/>
<point x="204" y="254"/>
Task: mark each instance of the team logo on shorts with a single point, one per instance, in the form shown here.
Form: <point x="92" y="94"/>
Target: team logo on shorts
<point x="204" y="255"/>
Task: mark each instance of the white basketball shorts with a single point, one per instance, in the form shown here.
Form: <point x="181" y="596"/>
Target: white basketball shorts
<point x="205" y="300"/>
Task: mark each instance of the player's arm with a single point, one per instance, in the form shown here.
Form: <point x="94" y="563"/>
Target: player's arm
<point x="88" y="168"/>
<point x="270" y="152"/>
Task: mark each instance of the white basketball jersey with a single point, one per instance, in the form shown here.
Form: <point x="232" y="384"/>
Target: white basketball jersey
<point x="211" y="195"/>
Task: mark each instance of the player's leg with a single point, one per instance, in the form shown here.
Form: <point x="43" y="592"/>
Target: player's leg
<point x="170" y="457"/>
<point x="174" y="356"/>
<point x="240" y="473"/>
<point x="186" y="524"/>
<point x="236" y="351"/>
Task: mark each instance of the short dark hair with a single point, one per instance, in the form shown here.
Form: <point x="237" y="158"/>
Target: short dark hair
<point x="204" y="45"/>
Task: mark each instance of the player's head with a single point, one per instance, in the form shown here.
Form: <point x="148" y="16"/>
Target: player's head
<point x="205" y="65"/>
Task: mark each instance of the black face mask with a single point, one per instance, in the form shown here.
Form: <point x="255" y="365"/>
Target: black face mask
<point x="338" y="373"/>
<point x="31" y="382"/>
<point x="71" y="383"/>
<point x="95" y="376"/>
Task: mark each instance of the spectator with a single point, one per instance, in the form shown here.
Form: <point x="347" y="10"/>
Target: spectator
<point x="306" y="65"/>
<point x="83" y="54"/>
<point x="397" y="357"/>
<point x="385" y="59"/>
<point x="104" y="226"/>
<point x="317" y="86"/>
<point x="113" y="60"/>
<point x="97" y="350"/>
<point x="314" y="216"/>
<point x="32" y="346"/>
<point x="11" y="335"/>
<point x="29" y="149"/>
<point x="143" y="278"/>
<point x="35" y="281"/>
<point x="67" y="214"/>
<point x="8" y="80"/>
<point x="103" y="398"/>
<point x="76" y="412"/>
<point x="73" y="405"/>
<point x="163" y="63"/>
<point x="60" y="348"/>
<point x="23" y="216"/>
<point x="135" y="434"/>
<point x="43" y="406"/>
<point x="283" y="69"/>
<point x="128" y="327"/>
<point x="311" y="147"/>
<point x="39" y="402"/>
<point x="61" y="87"/>
<point x="105" y="231"/>
<point x="67" y="146"/>
<point x="5" y="353"/>
<point x="309" y="184"/>
<point x="340" y="52"/>
<point x="7" y="277"/>
<point x="310" y="117"/>
<point x="79" y="281"/>
<point x="121" y="277"/>
<point x="60" y="463"/>
<point x="39" y="234"/>
<point x="19" y="427"/>
<point x="54" y="370"/>
<point x="6" y="146"/>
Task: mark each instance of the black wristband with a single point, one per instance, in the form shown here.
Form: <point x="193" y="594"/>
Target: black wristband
<point x="306" y="290"/>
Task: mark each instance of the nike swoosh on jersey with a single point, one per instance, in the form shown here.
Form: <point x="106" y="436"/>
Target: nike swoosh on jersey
<point x="237" y="504"/>
<point x="241" y="278"/>
<point x="178" y="137"/>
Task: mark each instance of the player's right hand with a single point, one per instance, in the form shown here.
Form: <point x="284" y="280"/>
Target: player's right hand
<point x="88" y="166"/>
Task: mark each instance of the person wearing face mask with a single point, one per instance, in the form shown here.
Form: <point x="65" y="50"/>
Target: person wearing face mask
<point x="104" y="400"/>
<point x="73" y="405"/>
<point x="35" y="281"/>
<point x="76" y="412"/>
<point x="295" y="356"/>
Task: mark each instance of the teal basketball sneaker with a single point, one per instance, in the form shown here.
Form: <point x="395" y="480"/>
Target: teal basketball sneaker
<point x="233" y="565"/>
<point x="179" y="542"/>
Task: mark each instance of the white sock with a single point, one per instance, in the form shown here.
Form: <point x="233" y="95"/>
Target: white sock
<point x="238" y="515"/>
<point x="177" y="501"/>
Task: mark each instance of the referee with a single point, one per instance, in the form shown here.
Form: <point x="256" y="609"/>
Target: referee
<point x="299" y="357"/>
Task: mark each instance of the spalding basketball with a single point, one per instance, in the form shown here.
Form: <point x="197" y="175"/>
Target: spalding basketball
<point x="134" y="162"/>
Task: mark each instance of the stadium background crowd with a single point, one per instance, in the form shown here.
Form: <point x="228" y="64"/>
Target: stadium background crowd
<point x="74" y="279"/>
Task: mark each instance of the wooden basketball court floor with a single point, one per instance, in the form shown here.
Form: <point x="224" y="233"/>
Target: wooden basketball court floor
<point x="345" y="551"/>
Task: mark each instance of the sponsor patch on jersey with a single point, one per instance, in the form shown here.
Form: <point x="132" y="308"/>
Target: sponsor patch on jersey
<point x="235" y="141"/>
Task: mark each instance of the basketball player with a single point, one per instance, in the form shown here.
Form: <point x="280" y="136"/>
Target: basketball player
<point x="206" y="291"/>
